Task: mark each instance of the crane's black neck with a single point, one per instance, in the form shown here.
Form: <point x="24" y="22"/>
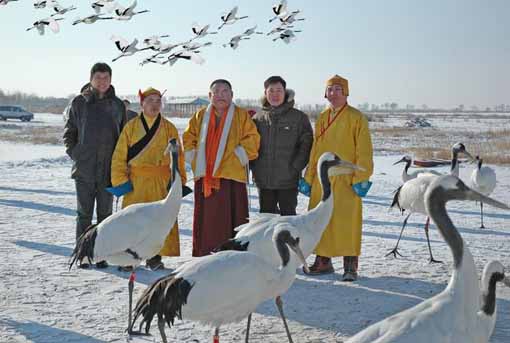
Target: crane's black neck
<point x="283" y="250"/>
<point x="408" y="164"/>
<point x="175" y="158"/>
<point x="324" y="178"/>
<point x="489" y="294"/>
<point x="436" y="205"/>
<point x="455" y="156"/>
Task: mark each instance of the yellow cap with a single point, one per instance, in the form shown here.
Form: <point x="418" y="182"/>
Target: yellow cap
<point x="338" y="80"/>
<point x="147" y="92"/>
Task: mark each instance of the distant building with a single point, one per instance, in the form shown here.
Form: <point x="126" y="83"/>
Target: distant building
<point x="184" y="107"/>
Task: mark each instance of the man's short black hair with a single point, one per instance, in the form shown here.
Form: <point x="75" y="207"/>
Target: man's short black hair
<point x="275" y="79"/>
<point x="126" y="101"/>
<point x="223" y="81"/>
<point x="100" y="67"/>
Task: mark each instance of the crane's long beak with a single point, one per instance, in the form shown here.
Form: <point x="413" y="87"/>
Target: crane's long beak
<point x="403" y="159"/>
<point x="474" y="195"/>
<point x="471" y="158"/>
<point x="299" y="253"/>
<point x="343" y="167"/>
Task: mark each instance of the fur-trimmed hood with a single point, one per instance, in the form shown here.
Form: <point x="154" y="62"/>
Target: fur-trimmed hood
<point x="289" y="99"/>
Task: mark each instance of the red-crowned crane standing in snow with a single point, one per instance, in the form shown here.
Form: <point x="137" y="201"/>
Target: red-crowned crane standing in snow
<point x="135" y="233"/>
<point x="460" y="313"/>
<point x="221" y="288"/>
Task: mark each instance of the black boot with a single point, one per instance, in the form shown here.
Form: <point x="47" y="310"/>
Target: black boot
<point x="322" y="265"/>
<point x="154" y="263"/>
<point x="350" y="268"/>
<point x="102" y="264"/>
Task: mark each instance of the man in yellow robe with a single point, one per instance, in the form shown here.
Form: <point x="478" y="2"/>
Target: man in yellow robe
<point x="343" y="130"/>
<point x="219" y="142"/>
<point x="139" y="159"/>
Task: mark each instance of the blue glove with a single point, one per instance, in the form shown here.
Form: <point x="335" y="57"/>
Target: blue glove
<point x="121" y="189"/>
<point x="361" y="188"/>
<point x="304" y="188"/>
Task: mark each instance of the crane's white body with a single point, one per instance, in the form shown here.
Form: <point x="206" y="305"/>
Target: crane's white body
<point x="449" y="317"/>
<point x="41" y="24"/>
<point x="229" y="285"/>
<point x="279" y="9"/>
<point x="59" y="9"/>
<point x="230" y="17"/>
<point x="412" y="193"/>
<point x="126" y="48"/>
<point x="290" y="18"/>
<point x="307" y="227"/>
<point x="186" y="55"/>
<point x="287" y="36"/>
<point x="250" y="31"/>
<point x="483" y="180"/>
<point x="5" y="2"/>
<point x="141" y="228"/>
<point x="234" y="41"/>
<point x="91" y="19"/>
<point x="201" y="31"/>
<point x="125" y="13"/>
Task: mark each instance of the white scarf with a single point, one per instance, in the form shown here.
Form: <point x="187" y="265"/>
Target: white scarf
<point x="200" y="161"/>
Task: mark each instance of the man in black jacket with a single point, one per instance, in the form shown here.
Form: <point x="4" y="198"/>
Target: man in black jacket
<point x="286" y="138"/>
<point x="95" y="121"/>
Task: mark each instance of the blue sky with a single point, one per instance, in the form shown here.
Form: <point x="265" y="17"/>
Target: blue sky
<point x="437" y="52"/>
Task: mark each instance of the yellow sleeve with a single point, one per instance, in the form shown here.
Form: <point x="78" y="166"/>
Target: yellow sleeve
<point x="249" y="138"/>
<point x="311" y="170"/>
<point x="191" y="134"/>
<point x="119" y="159"/>
<point x="364" y="153"/>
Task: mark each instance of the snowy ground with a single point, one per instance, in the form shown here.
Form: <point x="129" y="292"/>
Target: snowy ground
<point x="42" y="301"/>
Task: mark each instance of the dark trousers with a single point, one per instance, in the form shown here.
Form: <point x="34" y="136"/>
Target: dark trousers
<point x="282" y="201"/>
<point x="88" y="193"/>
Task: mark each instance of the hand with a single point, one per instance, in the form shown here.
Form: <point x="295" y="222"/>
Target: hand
<point x="241" y="155"/>
<point x="121" y="189"/>
<point x="361" y="188"/>
<point x="304" y="188"/>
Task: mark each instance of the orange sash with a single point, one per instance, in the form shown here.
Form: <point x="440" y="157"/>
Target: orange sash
<point x="211" y="149"/>
<point x="330" y="121"/>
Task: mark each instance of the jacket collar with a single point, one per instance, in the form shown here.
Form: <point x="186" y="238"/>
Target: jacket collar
<point x="287" y="104"/>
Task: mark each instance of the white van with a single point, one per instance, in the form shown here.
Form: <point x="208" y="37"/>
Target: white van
<point x="15" y="112"/>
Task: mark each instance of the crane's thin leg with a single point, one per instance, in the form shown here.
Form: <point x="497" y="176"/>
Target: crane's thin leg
<point x="161" y="326"/>
<point x="131" y="285"/>
<point x="481" y="215"/>
<point x="431" y="259"/>
<point x="248" y="328"/>
<point x="216" y="337"/>
<point x="279" y="304"/>
<point x="394" y="251"/>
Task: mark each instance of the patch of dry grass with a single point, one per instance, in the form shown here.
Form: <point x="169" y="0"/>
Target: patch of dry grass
<point x="493" y="145"/>
<point x="31" y="134"/>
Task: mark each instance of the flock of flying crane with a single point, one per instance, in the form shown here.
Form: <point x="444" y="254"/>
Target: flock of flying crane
<point x="163" y="52"/>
